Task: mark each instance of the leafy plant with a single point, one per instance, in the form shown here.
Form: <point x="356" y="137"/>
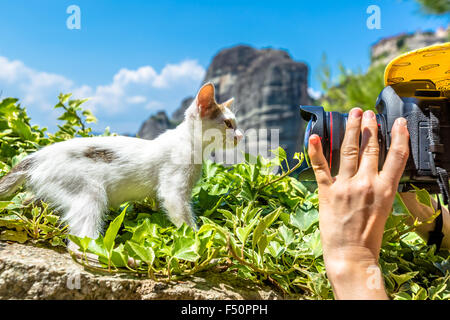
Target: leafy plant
<point x="435" y="7"/>
<point x="350" y="89"/>
<point x="20" y="218"/>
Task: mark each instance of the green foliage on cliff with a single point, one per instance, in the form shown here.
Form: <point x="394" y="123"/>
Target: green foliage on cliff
<point x="350" y="89"/>
<point x="255" y="224"/>
<point x="437" y="7"/>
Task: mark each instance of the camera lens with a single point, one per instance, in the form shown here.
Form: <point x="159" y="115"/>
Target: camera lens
<point x="330" y="127"/>
<point x="306" y="141"/>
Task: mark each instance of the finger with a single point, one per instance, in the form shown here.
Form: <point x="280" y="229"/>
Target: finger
<point x="398" y="153"/>
<point x="368" y="162"/>
<point x="350" y="146"/>
<point x="318" y="161"/>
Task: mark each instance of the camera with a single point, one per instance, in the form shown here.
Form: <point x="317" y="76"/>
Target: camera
<point x="417" y="87"/>
<point x="427" y="111"/>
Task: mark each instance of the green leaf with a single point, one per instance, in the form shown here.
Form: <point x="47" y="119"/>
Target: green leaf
<point x="64" y="97"/>
<point x="145" y="254"/>
<point x="90" y="118"/>
<point x="22" y="129"/>
<point x="286" y="234"/>
<point x="4" y="204"/>
<point x="112" y="231"/>
<point x="82" y="243"/>
<point x="275" y="249"/>
<point x="434" y="292"/>
<point x="423" y="197"/>
<point x="244" y="232"/>
<point x="263" y="241"/>
<point x="402" y="296"/>
<point x="69" y="116"/>
<point x="52" y="219"/>
<point x="303" y="220"/>
<point x="76" y="103"/>
<point x="141" y="231"/>
<point x="312" y="242"/>
<point x="265" y="223"/>
<point x="402" y="278"/>
<point x="98" y="247"/>
<point x="185" y="249"/>
<point x="12" y="235"/>
<point x="422" y="294"/>
<point x="119" y="258"/>
<point x="280" y="154"/>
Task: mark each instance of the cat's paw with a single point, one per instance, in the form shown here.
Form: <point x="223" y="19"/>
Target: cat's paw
<point x="133" y="263"/>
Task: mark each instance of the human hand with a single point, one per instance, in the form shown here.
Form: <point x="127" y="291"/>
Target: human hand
<point x="354" y="205"/>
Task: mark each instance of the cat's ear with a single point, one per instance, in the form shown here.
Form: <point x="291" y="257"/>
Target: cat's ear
<point x="206" y="101"/>
<point x="228" y="103"/>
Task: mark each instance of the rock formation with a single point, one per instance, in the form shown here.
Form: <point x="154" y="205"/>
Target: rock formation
<point x="178" y="115"/>
<point x="155" y="125"/>
<point x="388" y="48"/>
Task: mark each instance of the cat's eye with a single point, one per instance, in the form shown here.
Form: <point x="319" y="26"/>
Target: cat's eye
<point x="228" y="124"/>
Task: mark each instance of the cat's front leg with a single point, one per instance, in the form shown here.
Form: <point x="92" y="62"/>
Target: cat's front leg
<point x="177" y="204"/>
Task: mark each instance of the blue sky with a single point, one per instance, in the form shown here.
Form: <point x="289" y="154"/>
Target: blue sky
<point x="137" y="57"/>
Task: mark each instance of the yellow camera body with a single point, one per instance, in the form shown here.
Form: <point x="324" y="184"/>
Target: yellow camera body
<point x="430" y="63"/>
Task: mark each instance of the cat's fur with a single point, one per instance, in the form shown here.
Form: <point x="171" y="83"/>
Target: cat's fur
<point x="83" y="177"/>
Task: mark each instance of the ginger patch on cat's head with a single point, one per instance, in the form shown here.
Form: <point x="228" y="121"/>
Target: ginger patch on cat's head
<point x="206" y="102"/>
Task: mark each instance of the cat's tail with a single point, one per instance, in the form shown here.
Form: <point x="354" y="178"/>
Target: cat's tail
<point x="14" y="179"/>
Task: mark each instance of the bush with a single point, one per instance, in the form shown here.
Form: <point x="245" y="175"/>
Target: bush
<point x="350" y="89"/>
<point x="252" y="223"/>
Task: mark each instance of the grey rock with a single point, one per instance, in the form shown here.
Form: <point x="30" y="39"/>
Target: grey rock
<point x="178" y="115"/>
<point x="29" y="272"/>
<point x="388" y="48"/>
<point x="155" y="125"/>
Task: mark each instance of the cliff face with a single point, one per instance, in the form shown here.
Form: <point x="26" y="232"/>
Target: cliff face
<point x="155" y="125"/>
<point x="388" y="48"/>
<point x="178" y="115"/>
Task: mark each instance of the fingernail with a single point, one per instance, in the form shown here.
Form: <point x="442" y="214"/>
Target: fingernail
<point x="356" y="113"/>
<point x="369" y="114"/>
<point x="401" y="122"/>
<point x="314" y="139"/>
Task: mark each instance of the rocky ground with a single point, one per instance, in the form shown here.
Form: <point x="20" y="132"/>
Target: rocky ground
<point x="29" y="272"/>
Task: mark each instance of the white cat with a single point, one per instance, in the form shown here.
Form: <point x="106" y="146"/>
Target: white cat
<point x="83" y="177"/>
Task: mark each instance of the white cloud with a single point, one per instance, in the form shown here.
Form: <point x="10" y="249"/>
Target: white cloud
<point x="129" y="84"/>
<point x="32" y="85"/>
<point x="153" y="105"/>
<point x="129" y="92"/>
<point x="136" y="99"/>
<point x="172" y="73"/>
<point x="315" y="94"/>
<point x="142" y="75"/>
